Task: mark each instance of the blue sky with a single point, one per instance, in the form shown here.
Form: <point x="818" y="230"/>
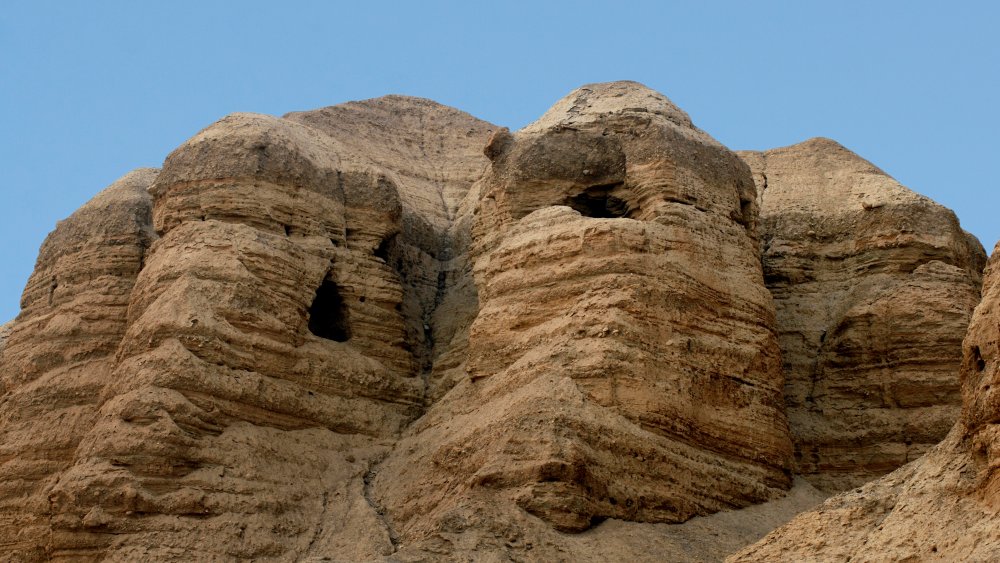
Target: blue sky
<point x="90" y="90"/>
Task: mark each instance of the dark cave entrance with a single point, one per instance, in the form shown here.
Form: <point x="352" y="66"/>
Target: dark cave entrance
<point x="328" y="314"/>
<point x="597" y="202"/>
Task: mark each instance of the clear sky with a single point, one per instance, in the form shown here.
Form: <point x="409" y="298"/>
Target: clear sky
<point x="90" y="90"/>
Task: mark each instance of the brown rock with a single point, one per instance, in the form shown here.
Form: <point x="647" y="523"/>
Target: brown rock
<point x="944" y="506"/>
<point x="623" y="363"/>
<point x="58" y="355"/>
<point x="874" y="286"/>
<point x="387" y="330"/>
<point x="273" y="345"/>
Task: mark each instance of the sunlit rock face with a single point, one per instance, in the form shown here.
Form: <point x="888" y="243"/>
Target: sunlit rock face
<point x="874" y="287"/>
<point x="387" y="330"/>
<point x="624" y="362"/>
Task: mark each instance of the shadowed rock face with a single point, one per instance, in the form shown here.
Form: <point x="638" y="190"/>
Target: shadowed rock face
<point x="945" y="505"/>
<point x="387" y="329"/>
<point x="874" y="286"/>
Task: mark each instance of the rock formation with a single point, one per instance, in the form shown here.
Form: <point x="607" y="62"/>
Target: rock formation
<point x="623" y="363"/>
<point x="387" y="330"/>
<point x="273" y="343"/>
<point x="874" y="286"/>
<point x="944" y="506"/>
<point x="59" y="353"/>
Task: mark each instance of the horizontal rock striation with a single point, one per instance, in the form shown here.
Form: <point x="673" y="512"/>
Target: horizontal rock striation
<point x="623" y="363"/>
<point x="58" y="355"/>
<point x="387" y="330"/>
<point x="944" y="506"/>
<point x="874" y="287"/>
<point x="274" y="341"/>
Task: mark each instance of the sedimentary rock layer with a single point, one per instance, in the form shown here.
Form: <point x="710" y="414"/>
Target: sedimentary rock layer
<point x="274" y="343"/>
<point x="623" y="363"/>
<point x="946" y="505"/>
<point x="58" y="355"/>
<point x="389" y="330"/>
<point x="874" y="286"/>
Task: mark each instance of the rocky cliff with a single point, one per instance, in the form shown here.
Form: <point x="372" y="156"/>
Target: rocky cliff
<point x="945" y="506"/>
<point x="874" y="286"/>
<point x="388" y="329"/>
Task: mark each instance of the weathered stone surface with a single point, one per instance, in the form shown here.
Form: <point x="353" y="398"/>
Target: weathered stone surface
<point x="387" y="330"/>
<point x="874" y="286"/>
<point x="624" y="362"/>
<point x="946" y="505"/>
<point x="273" y="346"/>
<point x="58" y="355"/>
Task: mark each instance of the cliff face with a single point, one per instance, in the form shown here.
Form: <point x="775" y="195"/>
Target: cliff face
<point x="874" y="286"/>
<point x="623" y="363"/>
<point x="274" y="339"/>
<point x="945" y="506"/>
<point x="57" y="356"/>
<point x="389" y="329"/>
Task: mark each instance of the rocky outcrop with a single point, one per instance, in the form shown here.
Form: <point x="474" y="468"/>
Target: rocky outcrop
<point x="274" y="341"/>
<point x="874" y="287"/>
<point x="58" y="355"/>
<point x="389" y="330"/>
<point x="623" y="363"/>
<point x="944" y="506"/>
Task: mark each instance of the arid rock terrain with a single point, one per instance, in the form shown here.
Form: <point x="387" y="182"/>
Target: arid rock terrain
<point x="874" y="286"/>
<point x="389" y="331"/>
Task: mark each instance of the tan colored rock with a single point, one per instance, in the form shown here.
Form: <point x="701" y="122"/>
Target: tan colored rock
<point x="874" y="287"/>
<point x="273" y="345"/>
<point x="387" y="330"/>
<point x="623" y="363"/>
<point x="58" y="354"/>
<point x="944" y="506"/>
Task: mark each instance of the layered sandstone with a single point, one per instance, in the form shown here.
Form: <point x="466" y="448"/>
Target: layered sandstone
<point x="874" y="286"/>
<point x="387" y="330"/>
<point x="944" y="506"/>
<point x="232" y="388"/>
<point x="59" y="353"/>
<point x="623" y="363"/>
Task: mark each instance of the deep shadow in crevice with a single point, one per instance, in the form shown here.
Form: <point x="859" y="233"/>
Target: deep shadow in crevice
<point x="328" y="315"/>
<point x="597" y="202"/>
<point x="977" y="359"/>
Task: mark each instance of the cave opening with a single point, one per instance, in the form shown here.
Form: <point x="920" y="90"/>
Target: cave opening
<point x="328" y="315"/>
<point x="977" y="359"/>
<point x="598" y="203"/>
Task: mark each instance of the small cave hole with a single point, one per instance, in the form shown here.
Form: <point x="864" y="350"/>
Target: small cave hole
<point x="328" y="314"/>
<point x="597" y="520"/>
<point x="598" y="203"/>
<point x="977" y="359"/>
<point x="288" y="230"/>
<point x="382" y="251"/>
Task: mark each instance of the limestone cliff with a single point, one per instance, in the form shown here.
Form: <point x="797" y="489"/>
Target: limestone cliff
<point x="623" y="363"/>
<point x="874" y="286"/>
<point x="944" y="506"/>
<point x="59" y="353"/>
<point x="387" y="330"/>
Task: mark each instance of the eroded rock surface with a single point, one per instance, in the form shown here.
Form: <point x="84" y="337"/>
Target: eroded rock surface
<point x="624" y="362"/>
<point x="387" y="330"/>
<point x="274" y="342"/>
<point x="59" y="353"/>
<point x="943" y="507"/>
<point x="874" y="287"/>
